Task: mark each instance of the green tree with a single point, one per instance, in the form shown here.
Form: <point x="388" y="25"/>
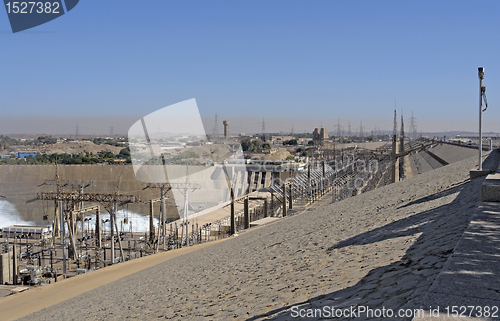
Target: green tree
<point x="124" y="152"/>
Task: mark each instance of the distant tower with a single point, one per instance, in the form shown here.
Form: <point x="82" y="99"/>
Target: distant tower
<point x="263" y="126"/>
<point x="323" y="133"/>
<point x="226" y="128"/>
<point x="112" y="130"/>
<point x="395" y="164"/>
<point x="349" y="130"/>
<point x="402" y="134"/>
<point x="216" y="127"/>
<point x="292" y="130"/>
<point x="320" y="135"/>
<point x="402" y="167"/>
<point x="395" y="127"/>
<point x="361" y="134"/>
<point x="76" y="136"/>
<point x="413" y="127"/>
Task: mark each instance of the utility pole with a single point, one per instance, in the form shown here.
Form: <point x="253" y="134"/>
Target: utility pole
<point x="186" y="213"/>
<point x="402" y="167"/>
<point x="63" y="237"/>
<point x="80" y="184"/>
<point x="482" y="95"/>
<point x="112" y="222"/>
<point x="395" y="167"/>
<point x="164" y="189"/>
<point x="163" y="210"/>
<point x="232" y="229"/>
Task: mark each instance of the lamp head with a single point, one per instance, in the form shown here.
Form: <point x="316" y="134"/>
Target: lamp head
<point x="480" y="72"/>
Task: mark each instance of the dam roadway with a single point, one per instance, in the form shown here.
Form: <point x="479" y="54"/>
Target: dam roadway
<point x="381" y="248"/>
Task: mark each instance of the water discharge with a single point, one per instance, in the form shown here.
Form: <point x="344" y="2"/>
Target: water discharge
<point x="136" y="222"/>
<point x="10" y="216"/>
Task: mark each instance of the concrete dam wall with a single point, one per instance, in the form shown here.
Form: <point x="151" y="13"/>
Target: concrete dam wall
<point x="19" y="183"/>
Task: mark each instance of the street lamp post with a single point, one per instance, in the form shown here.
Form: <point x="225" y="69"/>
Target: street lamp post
<point x="105" y="238"/>
<point x="88" y="219"/>
<point x="481" y="76"/>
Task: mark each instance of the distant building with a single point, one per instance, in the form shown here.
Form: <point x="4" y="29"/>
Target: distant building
<point x="303" y="141"/>
<point x="34" y="232"/>
<point x="278" y="140"/>
<point x="26" y="154"/>
<point x="226" y="128"/>
<point x="320" y="135"/>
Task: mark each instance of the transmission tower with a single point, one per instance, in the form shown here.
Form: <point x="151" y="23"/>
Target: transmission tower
<point x="349" y="130"/>
<point x="263" y="126"/>
<point x="70" y="199"/>
<point x="339" y="129"/>
<point x="413" y="127"/>
<point x="112" y="130"/>
<point x="292" y="130"/>
<point x="76" y="135"/>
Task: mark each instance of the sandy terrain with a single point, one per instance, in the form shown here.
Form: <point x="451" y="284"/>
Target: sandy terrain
<point x="13" y="307"/>
<point x="381" y="248"/>
<point x="69" y="148"/>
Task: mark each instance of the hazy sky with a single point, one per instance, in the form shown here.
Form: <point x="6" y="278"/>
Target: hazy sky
<point x="295" y="63"/>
